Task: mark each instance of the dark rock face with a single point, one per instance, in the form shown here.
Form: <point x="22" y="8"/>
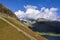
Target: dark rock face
<point x="47" y="26"/>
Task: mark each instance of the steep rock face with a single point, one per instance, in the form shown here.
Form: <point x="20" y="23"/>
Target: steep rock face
<point x="46" y="26"/>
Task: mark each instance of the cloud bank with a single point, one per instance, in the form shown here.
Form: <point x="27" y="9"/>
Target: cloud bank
<point x="33" y="13"/>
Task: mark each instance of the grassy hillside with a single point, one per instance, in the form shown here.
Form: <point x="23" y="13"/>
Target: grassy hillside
<point x="7" y="32"/>
<point x="10" y="33"/>
<point x="5" y="10"/>
<point x="12" y="29"/>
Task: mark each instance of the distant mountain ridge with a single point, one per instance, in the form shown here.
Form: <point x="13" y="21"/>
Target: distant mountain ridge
<point x="43" y="25"/>
<point x="46" y="26"/>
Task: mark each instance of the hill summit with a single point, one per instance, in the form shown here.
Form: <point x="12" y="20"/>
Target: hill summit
<point x="6" y="11"/>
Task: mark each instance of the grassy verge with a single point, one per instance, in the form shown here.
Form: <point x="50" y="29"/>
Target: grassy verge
<point x="50" y="34"/>
<point x="7" y="32"/>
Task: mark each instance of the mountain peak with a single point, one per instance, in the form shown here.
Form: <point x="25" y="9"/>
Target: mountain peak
<point x="42" y="19"/>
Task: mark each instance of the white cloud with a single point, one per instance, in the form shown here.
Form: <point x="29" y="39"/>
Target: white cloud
<point x="33" y="13"/>
<point x="50" y="13"/>
<point x="29" y="6"/>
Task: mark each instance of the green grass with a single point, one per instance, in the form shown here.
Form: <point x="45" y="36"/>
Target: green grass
<point x="17" y="23"/>
<point x="14" y="21"/>
<point x="24" y="28"/>
<point x="50" y="34"/>
<point x="7" y="32"/>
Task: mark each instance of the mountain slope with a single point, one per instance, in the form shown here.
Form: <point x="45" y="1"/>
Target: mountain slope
<point x="12" y="29"/>
<point x="22" y="27"/>
<point x="44" y="25"/>
<point x="7" y="32"/>
<point x="47" y="27"/>
<point x="5" y="10"/>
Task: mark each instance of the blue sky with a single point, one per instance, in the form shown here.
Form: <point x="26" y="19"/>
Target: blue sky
<point x="15" y="5"/>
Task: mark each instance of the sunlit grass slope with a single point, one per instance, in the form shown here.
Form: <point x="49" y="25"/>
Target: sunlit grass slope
<point x="7" y="32"/>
